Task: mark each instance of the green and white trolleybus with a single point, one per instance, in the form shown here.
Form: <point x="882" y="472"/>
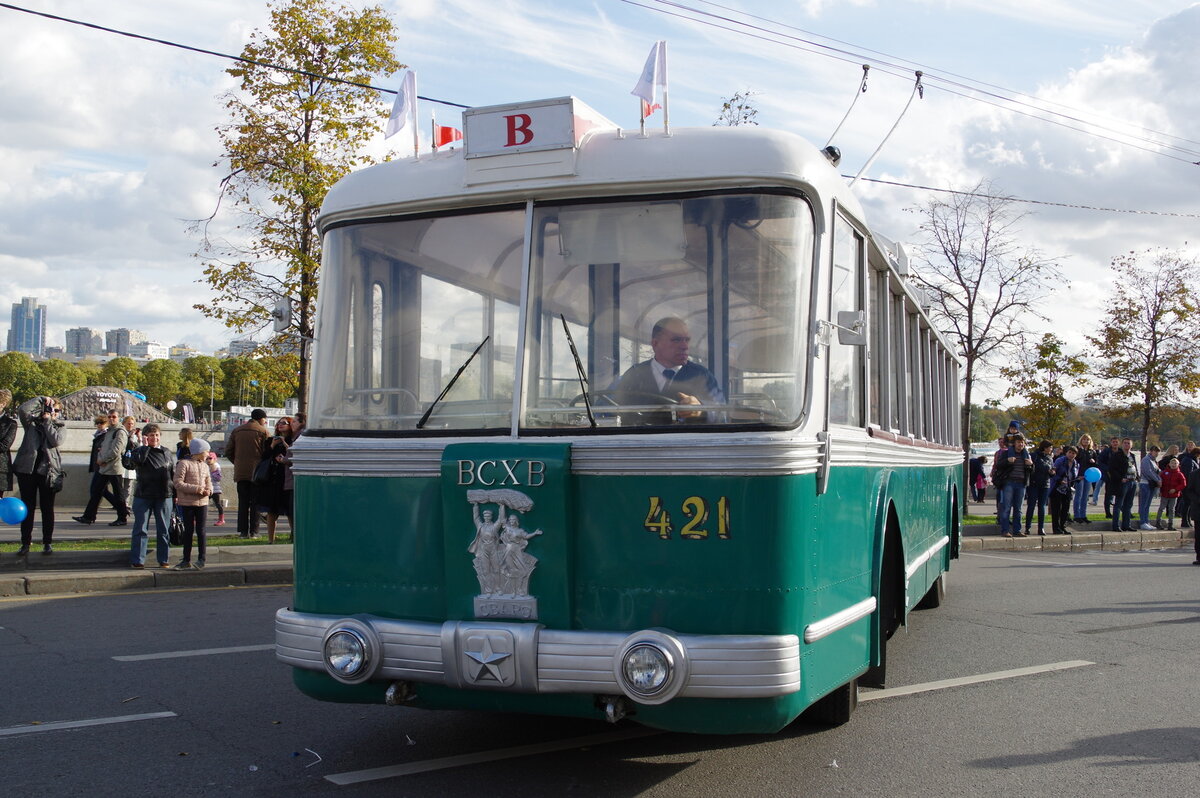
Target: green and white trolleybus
<point x="606" y="424"/>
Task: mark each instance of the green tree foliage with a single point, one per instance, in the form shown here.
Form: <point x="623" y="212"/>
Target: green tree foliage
<point x="240" y="374"/>
<point x="291" y="136"/>
<point x="738" y="110"/>
<point x="160" y="381"/>
<point x="983" y="285"/>
<point x="1038" y="379"/>
<point x="983" y="428"/>
<point x="60" y="377"/>
<point x="89" y="367"/>
<point x="21" y="375"/>
<point x="1147" y="352"/>
<point x="120" y="372"/>
<point x="202" y="382"/>
<point x="280" y="376"/>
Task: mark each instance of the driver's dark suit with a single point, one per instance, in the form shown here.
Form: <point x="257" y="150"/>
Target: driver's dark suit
<point x="638" y="386"/>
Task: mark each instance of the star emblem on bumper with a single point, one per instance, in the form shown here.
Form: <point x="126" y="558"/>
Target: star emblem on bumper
<point x="487" y="659"/>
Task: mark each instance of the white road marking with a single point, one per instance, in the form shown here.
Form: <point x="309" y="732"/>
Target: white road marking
<point x="78" y="724"/>
<point x="200" y="652"/>
<point x="1024" y="559"/>
<point x="391" y="771"/>
<point x="892" y="692"/>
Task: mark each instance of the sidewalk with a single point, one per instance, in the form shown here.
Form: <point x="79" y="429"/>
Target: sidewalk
<point x="38" y="574"/>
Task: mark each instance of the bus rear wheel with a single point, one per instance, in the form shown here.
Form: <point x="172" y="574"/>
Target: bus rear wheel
<point x="935" y="596"/>
<point x="835" y="708"/>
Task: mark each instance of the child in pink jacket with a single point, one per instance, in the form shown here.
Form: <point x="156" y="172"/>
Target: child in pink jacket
<point x="193" y="486"/>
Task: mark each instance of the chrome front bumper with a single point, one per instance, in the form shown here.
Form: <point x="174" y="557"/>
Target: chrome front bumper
<point x="530" y="658"/>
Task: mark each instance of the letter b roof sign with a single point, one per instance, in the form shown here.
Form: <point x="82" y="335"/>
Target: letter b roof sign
<point x="527" y="127"/>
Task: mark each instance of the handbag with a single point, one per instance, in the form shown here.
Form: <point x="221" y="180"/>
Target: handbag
<point x="263" y="471"/>
<point x="175" y="530"/>
<point x="57" y="484"/>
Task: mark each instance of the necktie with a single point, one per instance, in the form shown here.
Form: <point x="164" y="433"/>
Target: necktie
<point x="669" y="374"/>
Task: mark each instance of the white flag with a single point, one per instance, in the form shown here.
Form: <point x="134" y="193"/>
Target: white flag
<point x="405" y="106"/>
<point x="654" y="76"/>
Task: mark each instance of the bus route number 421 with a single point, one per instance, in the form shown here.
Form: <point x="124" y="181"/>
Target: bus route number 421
<point x="696" y="510"/>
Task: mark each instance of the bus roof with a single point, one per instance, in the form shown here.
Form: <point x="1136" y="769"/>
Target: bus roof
<point x="605" y="161"/>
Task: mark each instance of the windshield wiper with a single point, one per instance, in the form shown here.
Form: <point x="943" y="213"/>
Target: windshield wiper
<point x="583" y="383"/>
<point x="449" y="385"/>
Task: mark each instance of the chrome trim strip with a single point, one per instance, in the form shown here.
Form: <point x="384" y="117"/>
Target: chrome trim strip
<point x="839" y="620"/>
<point x="689" y="454"/>
<point x="925" y="557"/>
<point x="685" y="454"/>
<point x="547" y="660"/>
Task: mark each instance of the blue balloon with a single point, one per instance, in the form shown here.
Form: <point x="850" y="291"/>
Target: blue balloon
<point x="13" y="510"/>
<point x="1092" y="474"/>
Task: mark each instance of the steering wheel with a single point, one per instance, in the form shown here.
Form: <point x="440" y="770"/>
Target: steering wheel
<point x="611" y="397"/>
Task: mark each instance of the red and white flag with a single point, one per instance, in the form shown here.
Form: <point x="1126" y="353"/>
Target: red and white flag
<point x="654" y="77"/>
<point x="443" y="135"/>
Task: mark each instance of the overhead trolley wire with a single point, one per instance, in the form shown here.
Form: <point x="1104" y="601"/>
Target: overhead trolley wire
<point x="460" y="105"/>
<point x="915" y="65"/>
<point x="202" y="51"/>
<point x="982" y="195"/>
<point x="898" y="70"/>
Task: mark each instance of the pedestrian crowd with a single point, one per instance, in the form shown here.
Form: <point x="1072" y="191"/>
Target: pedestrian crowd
<point x="1063" y="479"/>
<point x="139" y="477"/>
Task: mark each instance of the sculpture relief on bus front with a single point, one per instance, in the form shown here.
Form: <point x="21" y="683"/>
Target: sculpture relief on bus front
<point x="502" y="564"/>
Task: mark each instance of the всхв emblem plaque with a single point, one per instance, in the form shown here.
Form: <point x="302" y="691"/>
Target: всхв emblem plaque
<point x="501" y="563"/>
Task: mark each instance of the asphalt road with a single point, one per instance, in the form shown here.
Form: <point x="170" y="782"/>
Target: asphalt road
<point x="230" y="723"/>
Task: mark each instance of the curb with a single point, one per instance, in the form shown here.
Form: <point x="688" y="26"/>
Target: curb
<point x="1081" y="541"/>
<point x="104" y="581"/>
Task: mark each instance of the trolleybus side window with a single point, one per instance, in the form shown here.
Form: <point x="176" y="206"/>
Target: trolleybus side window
<point x="845" y="294"/>
<point x="877" y="355"/>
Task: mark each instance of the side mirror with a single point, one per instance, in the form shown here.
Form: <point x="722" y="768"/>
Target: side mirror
<point x="852" y="327"/>
<point x="281" y="314"/>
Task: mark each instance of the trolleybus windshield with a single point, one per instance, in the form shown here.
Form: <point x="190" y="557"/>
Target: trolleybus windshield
<point x="723" y="278"/>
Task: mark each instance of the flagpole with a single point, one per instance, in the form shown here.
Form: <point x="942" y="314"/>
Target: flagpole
<point x="666" y="103"/>
<point x="415" y="127"/>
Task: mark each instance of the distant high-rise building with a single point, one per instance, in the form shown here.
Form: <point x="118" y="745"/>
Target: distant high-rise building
<point x="242" y="346"/>
<point x="84" y="341"/>
<point x="181" y="352"/>
<point x="148" y="350"/>
<point x="28" y="330"/>
<point x="118" y="341"/>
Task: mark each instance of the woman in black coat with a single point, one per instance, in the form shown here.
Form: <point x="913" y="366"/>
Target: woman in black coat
<point x="8" y="434"/>
<point x="275" y="496"/>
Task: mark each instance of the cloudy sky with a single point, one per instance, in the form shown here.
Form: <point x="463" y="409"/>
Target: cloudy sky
<point x="107" y="143"/>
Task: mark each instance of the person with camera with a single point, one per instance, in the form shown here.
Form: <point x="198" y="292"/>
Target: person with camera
<point x="8" y="434"/>
<point x="155" y="466"/>
<point x="38" y="466"/>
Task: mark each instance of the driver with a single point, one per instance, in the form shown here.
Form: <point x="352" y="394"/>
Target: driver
<point x="669" y="374"/>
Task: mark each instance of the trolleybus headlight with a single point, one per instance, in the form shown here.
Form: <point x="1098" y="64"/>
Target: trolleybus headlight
<point x="346" y="653"/>
<point x="351" y="651"/>
<point x="651" y="666"/>
<point x="646" y="668"/>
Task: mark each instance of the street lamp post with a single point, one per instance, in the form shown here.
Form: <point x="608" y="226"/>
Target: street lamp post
<point x="212" y="392"/>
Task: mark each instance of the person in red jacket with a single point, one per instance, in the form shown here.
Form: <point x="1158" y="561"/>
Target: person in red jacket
<point x="1173" y="483"/>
